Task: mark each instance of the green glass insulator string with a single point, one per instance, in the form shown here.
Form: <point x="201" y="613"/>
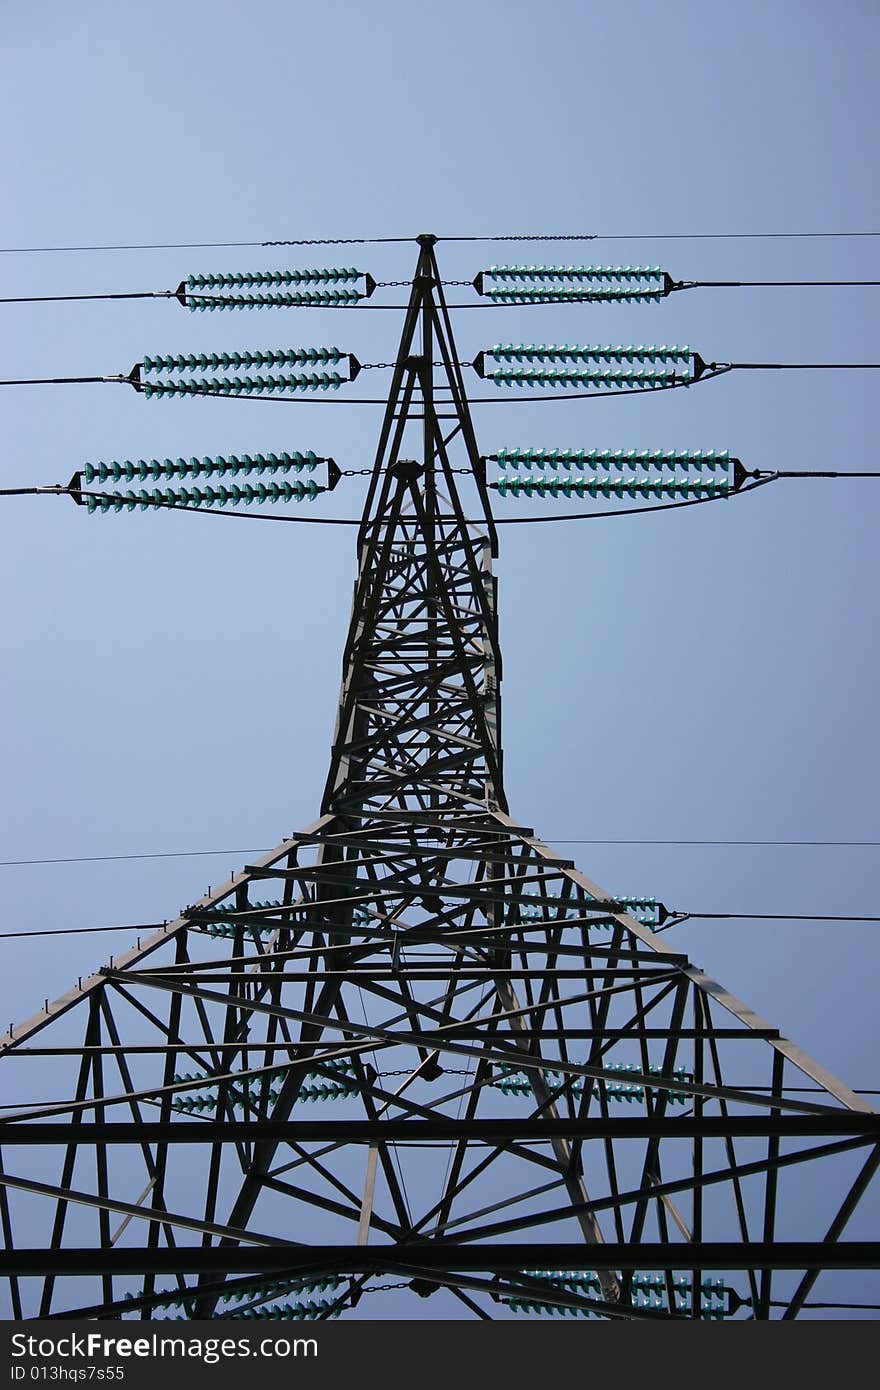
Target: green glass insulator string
<point x="573" y="352"/>
<point x="247" y="385"/>
<point x="291" y="1312"/>
<point x="219" y="496"/>
<point x="655" y="366"/>
<point x="633" y="460"/>
<point x="253" y="1096"/>
<point x="614" y="1091"/>
<point x="716" y="1300"/>
<point x="574" y="272"/>
<point x="240" y="279"/>
<point x="283" y="1286"/>
<point x="558" y="284"/>
<point x="642" y="1283"/>
<point x="234" y="464"/>
<point x="326" y="299"/>
<point x="283" y="357"/>
<point x="610" y="294"/>
<point x="552" y="376"/>
<point x="523" y="1304"/>
<point x="340" y="1066"/>
<point x="650" y="912"/>
<point x="549" y="284"/>
<point x="513" y="1082"/>
<point x="297" y="1310"/>
<point x="613" y="487"/>
<point x="251" y="1091"/>
<point x="645" y="910"/>
<point x="225" y="926"/>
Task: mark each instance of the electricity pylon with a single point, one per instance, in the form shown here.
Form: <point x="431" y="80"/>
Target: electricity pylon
<point x="537" y="1104"/>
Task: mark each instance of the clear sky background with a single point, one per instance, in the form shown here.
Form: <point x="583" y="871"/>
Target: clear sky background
<point x="170" y="682"/>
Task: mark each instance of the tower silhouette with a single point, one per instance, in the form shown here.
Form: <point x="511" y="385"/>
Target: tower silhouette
<point x="525" y="1101"/>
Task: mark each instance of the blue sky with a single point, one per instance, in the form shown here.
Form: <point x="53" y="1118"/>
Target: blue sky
<point x="711" y="674"/>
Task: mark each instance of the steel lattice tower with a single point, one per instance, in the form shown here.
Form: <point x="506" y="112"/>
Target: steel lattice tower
<point x="537" y="1103"/>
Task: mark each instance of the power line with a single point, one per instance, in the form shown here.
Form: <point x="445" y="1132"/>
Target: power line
<point x="763" y="844"/>
<point x="134" y="246"/>
<point x="679" y="919"/>
<point x="781" y="1303"/>
<point x="764" y="917"/>
<point x="217" y="302"/>
<point x="664" y="236"/>
<point x="108" y="858"/>
<point x="630" y="511"/>
<point x="167" y="294"/>
<point x="61" y="298"/>
<point x="392" y="241"/>
<point x="85" y="931"/>
<point x="554" y="839"/>
<point x="142" y="246"/>
<point x="795" y="366"/>
<point x="194" y="389"/>
<point x="59" y="490"/>
<point x="672" y="506"/>
<point x="381" y="284"/>
<point x="774" y="284"/>
<point x="210" y="245"/>
<point x="61" y="380"/>
<point x="709" y="371"/>
<point x="726" y="236"/>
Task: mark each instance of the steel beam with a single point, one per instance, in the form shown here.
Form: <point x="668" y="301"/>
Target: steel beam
<point x="444" y="1129"/>
<point x="296" y="1260"/>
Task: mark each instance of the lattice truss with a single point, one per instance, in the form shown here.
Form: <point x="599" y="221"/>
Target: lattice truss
<point x="412" y="1045"/>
